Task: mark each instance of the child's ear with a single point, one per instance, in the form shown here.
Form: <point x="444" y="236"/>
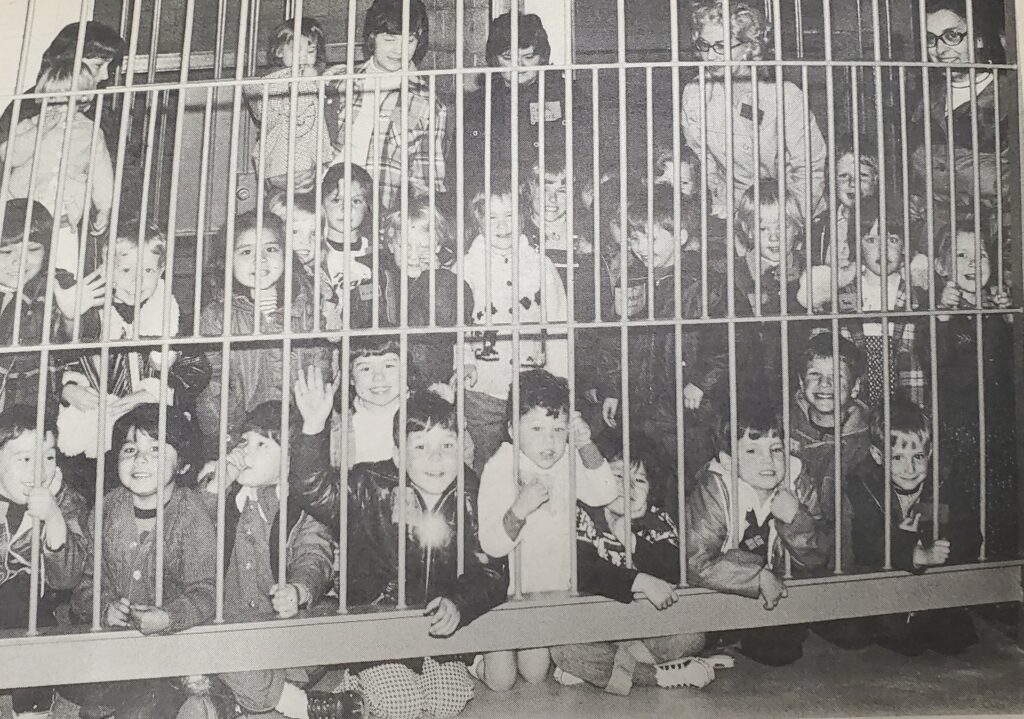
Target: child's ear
<point x="876" y="454"/>
<point x="396" y="456"/>
<point x="183" y="469"/>
<point x="855" y="389"/>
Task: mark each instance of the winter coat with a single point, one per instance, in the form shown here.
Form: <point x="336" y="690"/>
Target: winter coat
<point x="372" y="525"/>
<point x="714" y="563"/>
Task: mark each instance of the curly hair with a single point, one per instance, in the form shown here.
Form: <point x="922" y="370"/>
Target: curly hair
<point x="747" y="23"/>
<point x="281" y="37"/>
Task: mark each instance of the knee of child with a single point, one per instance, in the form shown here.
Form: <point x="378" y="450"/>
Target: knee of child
<point x="534" y="664"/>
<point x="499" y="671"/>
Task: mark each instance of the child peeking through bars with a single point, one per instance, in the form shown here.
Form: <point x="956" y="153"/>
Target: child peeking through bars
<point x="429" y="501"/>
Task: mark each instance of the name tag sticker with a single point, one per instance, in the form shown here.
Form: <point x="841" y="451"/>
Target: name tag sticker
<point x="552" y="111"/>
<point x="747" y="113"/>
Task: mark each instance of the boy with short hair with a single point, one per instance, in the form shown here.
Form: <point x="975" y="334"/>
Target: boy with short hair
<point x="813" y="420"/>
<point x="746" y="559"/>
<point x="375" y="138"/>
<point x="432" y="581"/>
<point x="532" y="510"/>
<point x="916" y="543"/>
<point x="652" y="358"/>
<point x="58" y="507"/>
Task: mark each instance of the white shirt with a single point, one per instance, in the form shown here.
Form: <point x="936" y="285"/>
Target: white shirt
<point x="547" y="538"/>
<point x="372" y="429"/>
<point x="871" y="298"/>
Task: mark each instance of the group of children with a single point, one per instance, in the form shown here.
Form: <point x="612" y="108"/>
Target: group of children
<point x="763" y="502"/>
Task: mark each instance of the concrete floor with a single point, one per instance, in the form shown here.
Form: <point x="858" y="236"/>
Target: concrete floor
<point x="826" y="682"/>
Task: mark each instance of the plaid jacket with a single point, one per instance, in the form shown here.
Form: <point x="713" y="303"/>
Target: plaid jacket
<point x="387" y="166"/>
<point x="906" y="355"/>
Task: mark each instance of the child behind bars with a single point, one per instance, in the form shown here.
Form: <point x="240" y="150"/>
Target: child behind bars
<point x="917" y="543"/>
<point x="430" y="499"/>
<point x="127" y="580"/>
<point x="531" y="511"/>
<point x="736" y="533"/>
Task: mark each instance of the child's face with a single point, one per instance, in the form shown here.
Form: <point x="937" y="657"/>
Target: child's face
<point x="126" y="273"/>
<point x="418" y="256"/>
<point x="10" y="258"/>
<point x="711" y="38"/>
<point x="247" y="271"/>
<point x="528" y="58"/>
<point x="686" y="178"/>
<point x="499" y="224"/>
<point x="17" y="465"/>
<point x="847" y="178"/>
<point x="871" y="253"/>
<point x="542" y="437"/>
<point x="640" y="489"/>
<point x="770" y="243"/>
<point x="307" y="52"/>
<point x="910" y="455"/>
<point x="387" y="51"/>
<point x="341" y="215"/>
<point x="555" y="204"/>
<point x="963" y="263"/>
<point x="819" y="388"/>
<point x="376" y="378"/>
<point x="432" y="459"/>
<point x="262" y="460"/>
<point x="659" y="250"/>
<point x="138" y="465"/>
<point x="762" y="461"/>
<point x="303" y="242"/>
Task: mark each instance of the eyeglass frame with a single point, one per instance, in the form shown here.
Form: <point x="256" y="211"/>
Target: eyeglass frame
<point x="703" y="46"/>
<point x="933" y="40"/>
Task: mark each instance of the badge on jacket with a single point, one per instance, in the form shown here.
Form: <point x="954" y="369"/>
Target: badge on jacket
<point x="552" y="111"/>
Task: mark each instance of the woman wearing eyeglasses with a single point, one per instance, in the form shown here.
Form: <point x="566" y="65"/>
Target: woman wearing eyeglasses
<point x="750" y="125"/>
<point x="952" y="97"/>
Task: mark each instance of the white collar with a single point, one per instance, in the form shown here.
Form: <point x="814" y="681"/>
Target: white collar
<point x="252" y="493"/>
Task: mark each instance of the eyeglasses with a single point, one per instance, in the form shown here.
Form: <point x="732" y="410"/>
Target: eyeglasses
<point x="950" y="38"/>
<point x="718" y="47"/>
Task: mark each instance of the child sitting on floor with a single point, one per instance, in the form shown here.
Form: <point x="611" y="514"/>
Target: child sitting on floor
<point x="431" y="499"/>
<point x="530" y="512"/>
<point x="601" y="539"/>
<point x="747" y="558"/>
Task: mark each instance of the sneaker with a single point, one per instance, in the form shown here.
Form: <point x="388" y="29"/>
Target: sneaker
<point x="476" y="666"/>
<point x="688" y="672"/>
<point x="566" y="679"/>
<point x="343" y="705"/>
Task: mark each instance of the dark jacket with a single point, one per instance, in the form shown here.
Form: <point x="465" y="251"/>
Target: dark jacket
<point x="19" y="372"/>
<point x="373" y="517"/>
<point x="601" y="557"/>
<point x="865" y="488"/>
<point x="652" y="359"/>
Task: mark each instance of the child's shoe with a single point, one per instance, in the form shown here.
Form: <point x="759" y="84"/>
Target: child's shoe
<point x="343" y="705"/>
<point x="691" y="671"/>
<point x="566" y="679"/>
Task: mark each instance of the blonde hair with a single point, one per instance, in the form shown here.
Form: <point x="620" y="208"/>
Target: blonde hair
<point x="747" y="23"/>
<point x="58" y="75"/>
<point x="746" y="213"/>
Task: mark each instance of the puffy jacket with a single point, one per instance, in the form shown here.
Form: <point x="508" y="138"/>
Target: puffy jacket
<point x="710" y="530"/>
<point x="373" y="517"/>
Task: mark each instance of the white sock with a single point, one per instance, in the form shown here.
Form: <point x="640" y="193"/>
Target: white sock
<point x="293" y="702"/>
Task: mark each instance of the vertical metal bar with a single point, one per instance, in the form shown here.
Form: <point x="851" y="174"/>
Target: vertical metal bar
<point x="343" y="366"/>
<point x="755" y="164"/>
<point x="997" y="127"/>
<point x="460" y="299"/>
<point x="204" y="168"/>
<point x="595" y="110"/>
<point x="516" y="357"/>
<point x="570" y="196"/>
<point x="677" y="295"/>
<point x="623" y="271"/>
<point x="226" y="317"/>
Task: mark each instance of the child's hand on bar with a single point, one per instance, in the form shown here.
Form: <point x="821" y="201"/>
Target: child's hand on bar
<point x="771" y="588"/>
<point x="148" y="619"/>
<point x="118" y="613"/>
<point x="444" y="616"/>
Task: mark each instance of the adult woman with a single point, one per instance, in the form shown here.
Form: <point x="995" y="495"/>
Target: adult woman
<point x="951" y="105"/>
<point x="749" y="30"/>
